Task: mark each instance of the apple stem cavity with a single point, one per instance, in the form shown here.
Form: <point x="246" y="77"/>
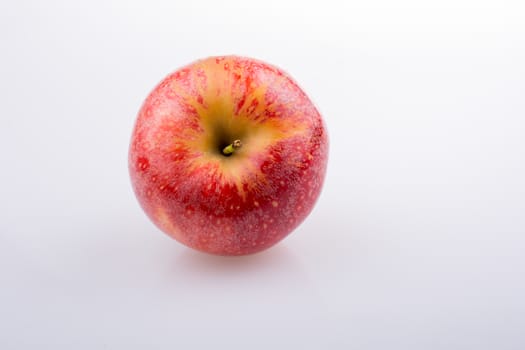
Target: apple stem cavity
<point x="228" y="150"/>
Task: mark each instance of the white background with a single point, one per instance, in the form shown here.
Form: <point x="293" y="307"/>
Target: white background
<point x="417" y="241"/>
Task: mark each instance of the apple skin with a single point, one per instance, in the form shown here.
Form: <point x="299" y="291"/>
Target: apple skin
<point x="228" y="205"/>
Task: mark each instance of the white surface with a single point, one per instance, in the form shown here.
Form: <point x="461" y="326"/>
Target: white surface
<point x="417" y="241"/>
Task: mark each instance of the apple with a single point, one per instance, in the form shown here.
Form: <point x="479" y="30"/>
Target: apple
<point x="228" y="155"/>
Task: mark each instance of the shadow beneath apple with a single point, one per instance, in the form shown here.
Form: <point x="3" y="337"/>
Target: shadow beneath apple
<point x="277" y="270"/>
<point x="278" y="257"/>
<point x="270" y="284"/>
<point x="207" y="263"/>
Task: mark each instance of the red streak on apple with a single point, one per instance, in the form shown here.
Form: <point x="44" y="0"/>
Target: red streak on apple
<point x="237" y="204"/>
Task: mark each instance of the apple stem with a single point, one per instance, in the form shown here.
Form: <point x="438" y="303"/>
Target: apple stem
<point x="232" y="147"/>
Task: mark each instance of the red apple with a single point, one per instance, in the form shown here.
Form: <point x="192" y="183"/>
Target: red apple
<point x="228" y="155"/>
